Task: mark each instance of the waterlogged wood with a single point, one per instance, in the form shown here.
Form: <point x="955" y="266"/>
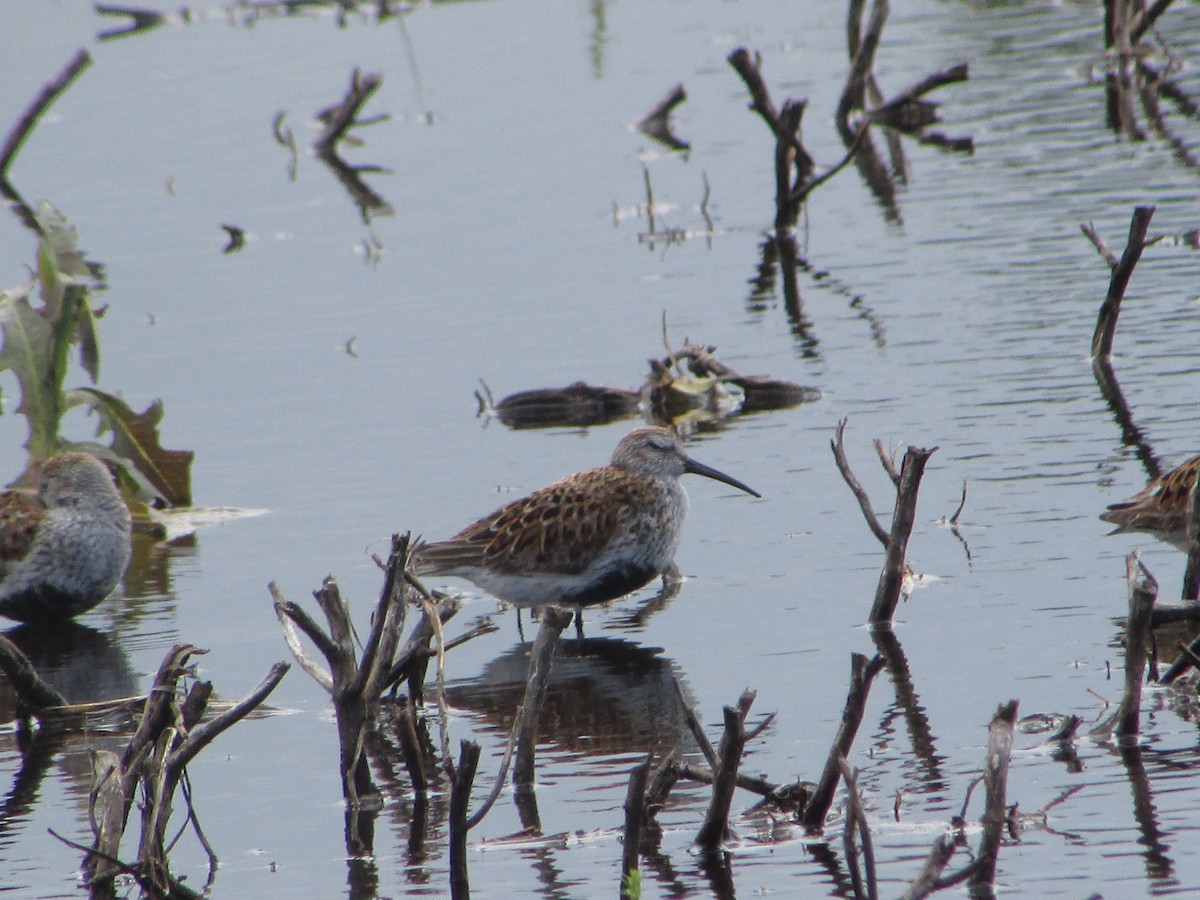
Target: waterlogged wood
<point x="838" y="445"/>
<point x="1191" y="574"/>
<point x="1122" y="270"/>
<point x="939" y="857"/>
<point x="864" y="881"/>
<point x="1189" y="658"/>
<point x="862" y="673"/>
<point x="863" y="45"/>
<point x="339" y="119"/>
<point x="169" y="736"/>
<point x="891" y="579"/>
<point x="760" y="97"/>
<point x="354" y="684"/>
<point x="635" y="817"/>
<point x="715" y="829"/>
<point x="995" y="780"/>
<point x="554" y="620"/>
<point x="789" y="155"/>
<point x="1143" y="590"/>
<point x="461" y="780"/>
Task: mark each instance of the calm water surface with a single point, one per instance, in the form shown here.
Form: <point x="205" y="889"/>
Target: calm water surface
<point x="511" y="254"/>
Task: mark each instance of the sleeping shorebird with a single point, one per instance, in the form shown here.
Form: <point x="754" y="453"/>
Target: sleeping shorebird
<point x="592" y="537"/>
<point x="63" y="549"/>
<point x="1160" y="508"/>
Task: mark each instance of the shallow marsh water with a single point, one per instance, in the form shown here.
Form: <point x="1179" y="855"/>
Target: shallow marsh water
<point x="512" y="254"/>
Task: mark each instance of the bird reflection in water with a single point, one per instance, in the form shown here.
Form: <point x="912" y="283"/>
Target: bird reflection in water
<point x="605" y="696"/>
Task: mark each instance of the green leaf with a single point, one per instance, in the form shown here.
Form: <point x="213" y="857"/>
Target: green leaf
<point x="37" y="340"/>
<point x="135" y="438"/>
<point x="28" y="351"/>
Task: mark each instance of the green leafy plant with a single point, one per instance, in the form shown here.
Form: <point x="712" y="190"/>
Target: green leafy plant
<point x="37" y="343"/>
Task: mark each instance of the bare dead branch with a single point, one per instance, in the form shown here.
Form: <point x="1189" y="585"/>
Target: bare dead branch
<point x="1191" y="574"/>
<point x="1106" y="321"/>
<point x="995" y="779"/>
<point x="289" y="614"/>
<point x="460" y="796"/>
<point x="888" y="461"/>
<point x="939" y="857"/>
<point x="760" y="97"/>
<point x="340" y="118"/>
<point x="498" y="786"/>
<point x="694" y="726"/>
<point x="554" y="620"/>
<point x="204" y="734"/>
<point x="891" y="579"/>
<point x="856" y="820"/>
<point x="862" y="673"/>
<point x="635" y="817"/>
<point x="864" y="501"/>
<point x="729" y="757"/>
<point x="961" y="504"/>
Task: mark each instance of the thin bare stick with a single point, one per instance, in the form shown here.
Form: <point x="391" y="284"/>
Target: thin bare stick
<point x="864" y="502"/>
<point x="856" y="819"/>
<point x="887" y="460"/>
<point x="1145" y="21"/>
<point x="500" y="776"/>
<point x="862" y="673"/>
<point x="288" y="614"/>
<point x="939" y="857"/>
<point x="460" y="796"/>
<point x="694" y="726"/>
<point x="1189" y="657"/>
<point x="1101" y="247"/>
<point x="635" y="817"/>
<point x="1143" y="590"/>
<point x="341" y="118"/>
<point x="554" y="620"/>
<point x="781" y="795"/>
<point x="1106" y="321"/>
<point x="202" y="735"/>
<point x="716" y="821"/>
<point x="891" y="579"/>
<point x="801" y="193"/>
<point x="1191" y="574"/>
<point x="49" y="93"/>
<point x="961" y="503"/>
<point x="995" y="779"/>
<point x="760" y="97"/>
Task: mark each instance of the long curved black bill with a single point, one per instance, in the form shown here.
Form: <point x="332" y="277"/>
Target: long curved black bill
<point x="699" y="468"/>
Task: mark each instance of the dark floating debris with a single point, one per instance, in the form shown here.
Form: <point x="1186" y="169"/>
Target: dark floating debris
<point x="237" y="239"/>
<point x="577" y="405"/>
<point x="707" y="389"/>
<point x="760" y="392"/>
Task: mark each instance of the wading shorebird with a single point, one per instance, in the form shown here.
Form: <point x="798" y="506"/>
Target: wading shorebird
<point x="592" y="537"/>
<point x="63" y="549"/>
<point x="1160" y="508"/>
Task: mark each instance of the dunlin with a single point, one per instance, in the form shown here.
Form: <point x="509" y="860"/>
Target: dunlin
<point x="1161" y="507"/>
<point x="63" y="550"/>
<point x="590" y="538"/>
